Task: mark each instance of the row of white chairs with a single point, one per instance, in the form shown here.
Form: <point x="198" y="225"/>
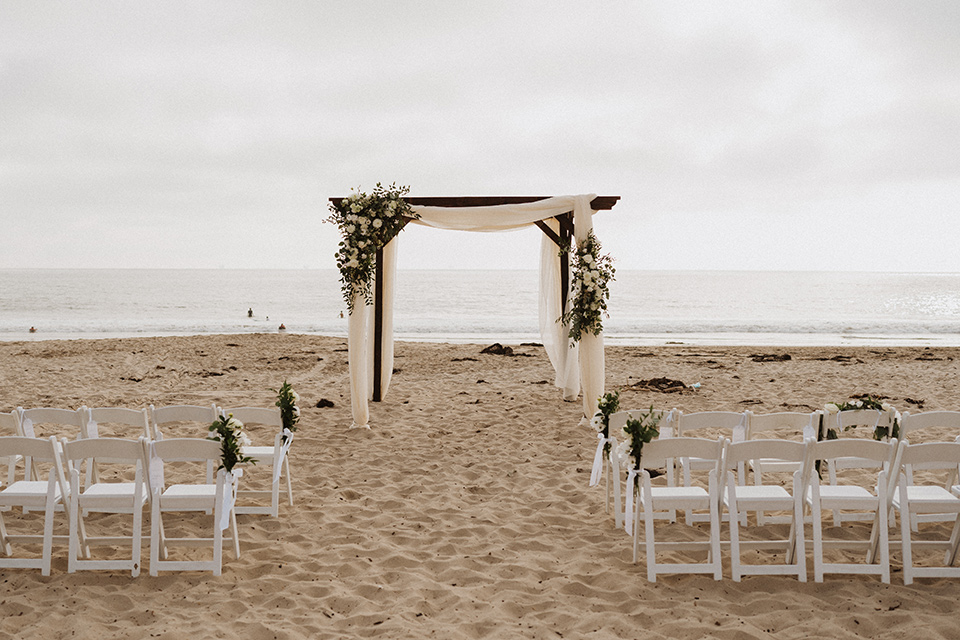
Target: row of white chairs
<point x="116" y="493"/>
<point x="86" y="423"/>
<point x="726" y="487"/>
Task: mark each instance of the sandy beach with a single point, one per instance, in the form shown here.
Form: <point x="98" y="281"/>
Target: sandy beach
<point x="464" y="512"/>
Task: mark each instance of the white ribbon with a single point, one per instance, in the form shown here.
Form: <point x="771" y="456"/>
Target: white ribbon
<point x="597" y="470"/>
<point x="27" y="427"/>
<point x="229" y="498"/>
<point x="92" y="431"/>
<point x="155" y="470"/>
<point x="740" y="431"/>
<point x="278" y="463"/>
<point x="808" y="433"/>
<point x="628" y="514"/>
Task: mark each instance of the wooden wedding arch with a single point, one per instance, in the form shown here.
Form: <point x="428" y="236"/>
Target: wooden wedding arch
<point x="562" y="238"/>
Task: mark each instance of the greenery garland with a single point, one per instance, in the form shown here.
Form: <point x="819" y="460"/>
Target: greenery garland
<point x="287" y="400"/>
<point x="367" y="222"/>
<point x="592" y="273"/>
<point x="229" y="432"/>
<point x="866" y="403"/>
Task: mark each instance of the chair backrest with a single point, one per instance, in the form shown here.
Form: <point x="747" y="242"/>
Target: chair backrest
<point x="619" y="419"/>
<point x="783" y="450"/>
<point x="185" y="450"/>
<point x="857" y="454"/>
<point x="104" y="450"/>
<point x="106" y="419"/>
<point x="257" y="415"/>
<point x="53" y="421"/>
<point x="716" y="421"/>
<point x="948" y="420"/>
<point x="10" y="424"/>
<point x="181" y="413"/>
<point x="945" y="455"/>
<point x="44" y="449"/>
<point x="804" y="425"/>
<point x="857" y="424"/>
<point x="657" y="453"/>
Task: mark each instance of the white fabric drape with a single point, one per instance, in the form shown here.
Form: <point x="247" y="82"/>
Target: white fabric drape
<point x="563" y="357"/>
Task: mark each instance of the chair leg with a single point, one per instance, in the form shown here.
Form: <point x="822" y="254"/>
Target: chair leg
<point x="716" y="557"/>
<point x="236" y="537"/>
<point x="649" y="539"/>
<point x="734" y="520"/>
<point x="800" y="550"/>
<point x="73" y="547"/>
<point x="884" y="542"/>
<point x="286" y="471"/>
<point x="48" y="525"/>
<point x="817" y="525"/>
<point x="137" y="536"/>
<point x="4" y="540"/>
<point x="951" y="555"/>
<point x="155" y="528"/>
<point x="907" y="548"/>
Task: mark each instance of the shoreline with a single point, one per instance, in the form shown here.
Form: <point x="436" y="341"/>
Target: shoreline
<point x="772" y="340"/>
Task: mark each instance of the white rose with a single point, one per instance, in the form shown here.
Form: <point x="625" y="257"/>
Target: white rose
<point x="353" y="264"/>
<point x="831" y="408"/>
<point x="363" y="221"/>
<point x="296" y="412"/>
<point x="857" y="404"/>
<point x="244" y="440"/>
<point x="597" y="422"/>
<point x="355" y="207"/>
<point x="295" y="396"/>
<point x="886" y="406"/>
<point x="377" y="223"/>
<point x="350" y="228"/>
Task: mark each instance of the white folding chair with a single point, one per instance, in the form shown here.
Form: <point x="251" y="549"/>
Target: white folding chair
<point x="739" y="499"/>
<point x="36" y="494"/>
<point x="859" y="425"/>
<point x="614" y="478"/>
<point x="840" y="497"/>
<point x="787" y="425"/>
<point x="10" y="426"/>
<point x="652" y="499"/>
<point x="942" y="426"/>
<point x="912" y="500"/>
<point x="274" y="457"/>
<point x="178" y="414"/>
<point x="709" y="424"/>
<point x="112" y="422"/>
<point x="106" y="497"/>
<point x="61" y="423"/>
<point x="218" y="498"/>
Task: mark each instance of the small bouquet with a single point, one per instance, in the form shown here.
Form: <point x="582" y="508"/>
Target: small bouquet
<point x="229" y="432"/>
<point x="592" y="273"/>
<point x="637" y="433"/>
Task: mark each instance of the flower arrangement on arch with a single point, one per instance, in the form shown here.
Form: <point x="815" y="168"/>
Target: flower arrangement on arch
<point x="865" y="403"/>
<point x="592" y="273"/>
<point x="229" y="432"/>
<point x="287" y="400"/>
<point x="636" y="433"/>
<point x="367" y="222"/>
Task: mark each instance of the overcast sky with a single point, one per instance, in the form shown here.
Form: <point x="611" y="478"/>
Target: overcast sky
<point x="740" y="135"/>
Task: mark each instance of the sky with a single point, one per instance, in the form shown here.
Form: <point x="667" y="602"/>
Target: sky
<point x="814" y="135"/>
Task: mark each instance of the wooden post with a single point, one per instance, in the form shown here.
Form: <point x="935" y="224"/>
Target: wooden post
<point x="566" y="234"/>
<point x="378" y="327"/>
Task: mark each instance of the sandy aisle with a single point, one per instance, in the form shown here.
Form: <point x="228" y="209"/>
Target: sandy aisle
<point x="465" y="512"/>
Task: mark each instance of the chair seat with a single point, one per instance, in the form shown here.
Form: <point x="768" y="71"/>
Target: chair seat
<point x="678" y="493"/>
<point x="27" y="490"/>
<point x="189" y="496"/>
<point x="931" y="499"/>
<point x="260" y="454"/>
<point x="844" y="492"/>
<point x="763" y="493"/>
<point x="110" y="492"/>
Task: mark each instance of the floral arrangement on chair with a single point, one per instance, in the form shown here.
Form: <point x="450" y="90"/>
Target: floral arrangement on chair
<point x="229" y="432"/>
<point x="591" y="277"/>
<point x="636" y="433"/>
<point x="607" y="405"/>
<point x="367" y="222"/>
<point x="865" y="403"/>
<point x="287" y="400"/>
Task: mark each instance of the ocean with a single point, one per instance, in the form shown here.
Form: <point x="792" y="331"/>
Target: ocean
<point x="646" y="307"/>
